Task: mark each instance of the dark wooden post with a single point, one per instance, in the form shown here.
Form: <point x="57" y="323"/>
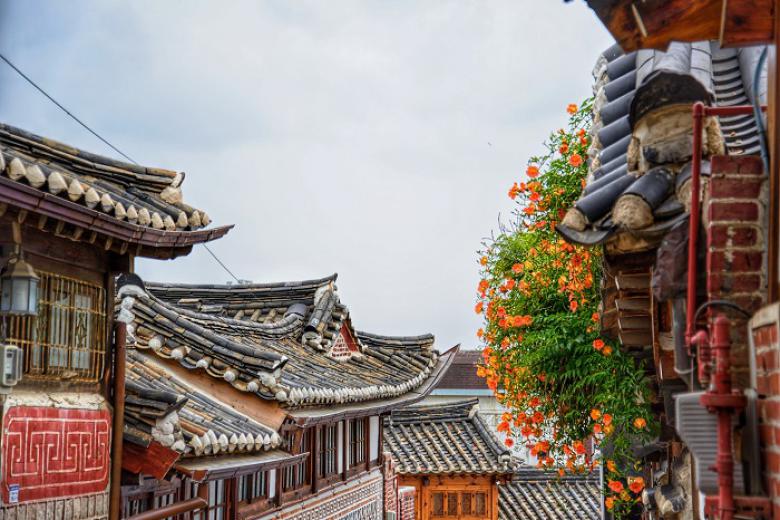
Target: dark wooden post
<point x="315" y="458"/>
<point x="120" y="338"/>
<point x="367" y="442"/>
<point x="279" y="475"/>
<point x="345" y="449"/>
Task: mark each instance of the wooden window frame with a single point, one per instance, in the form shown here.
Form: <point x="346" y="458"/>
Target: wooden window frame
<point x="81" y="330"/>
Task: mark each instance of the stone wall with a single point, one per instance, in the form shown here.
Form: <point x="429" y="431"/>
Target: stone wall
<point x="85" y="507"/>
<point x="357" y="499"/>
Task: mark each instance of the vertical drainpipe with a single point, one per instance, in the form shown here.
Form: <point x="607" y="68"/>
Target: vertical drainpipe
<point x="115" y="493"/>
<point x="693" y="221"/>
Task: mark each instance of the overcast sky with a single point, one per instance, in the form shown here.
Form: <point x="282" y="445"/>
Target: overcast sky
<point x="376" y="139"/>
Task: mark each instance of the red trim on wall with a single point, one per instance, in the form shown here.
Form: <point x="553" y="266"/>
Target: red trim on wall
<point x="54" y="452"/>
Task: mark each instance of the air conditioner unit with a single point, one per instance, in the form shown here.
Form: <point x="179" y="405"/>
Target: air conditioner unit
<point x="698" y="429"/>
<point x="10" y="367"/>
<point x="390" y="515"/>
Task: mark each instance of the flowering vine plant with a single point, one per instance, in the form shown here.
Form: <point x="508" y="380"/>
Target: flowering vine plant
<point x="570" y="392"/>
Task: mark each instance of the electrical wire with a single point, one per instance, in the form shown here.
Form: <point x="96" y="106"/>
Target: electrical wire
<point x="79" y="121"/>
<point x="85" y="126"/>
<point x="221" y="263"/>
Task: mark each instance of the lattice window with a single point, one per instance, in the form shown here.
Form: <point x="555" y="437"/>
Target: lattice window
<point x="297" y="475"/>
<point x="327" y="442"/>
<point x="357" y="442"/>
<point x="68" y="337"/>
<point x="253" y="487"/>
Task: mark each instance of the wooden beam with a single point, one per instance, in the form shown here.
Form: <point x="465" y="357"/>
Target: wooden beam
<point x="653" y="24"/>
<point x="746" y="23"/>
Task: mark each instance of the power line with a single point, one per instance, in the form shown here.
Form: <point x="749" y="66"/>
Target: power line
<point x="117" y="150"/>
<point x="220" y="263"/>
<point x="79" y="121"/>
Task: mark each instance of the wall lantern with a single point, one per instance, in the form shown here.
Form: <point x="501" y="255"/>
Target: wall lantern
<point x="18" y="287"/>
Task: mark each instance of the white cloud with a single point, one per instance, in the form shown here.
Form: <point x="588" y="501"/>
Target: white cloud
<point x="376" y="139"/>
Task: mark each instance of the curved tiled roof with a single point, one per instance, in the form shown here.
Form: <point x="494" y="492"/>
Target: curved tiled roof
<point x="537" y="495"/>
<point x="159" y="406"/>
<point x="444" y="439"/>
<point x="139" y="195"/>
<point x="286" y="341"/>
<point x="629" y="163"/>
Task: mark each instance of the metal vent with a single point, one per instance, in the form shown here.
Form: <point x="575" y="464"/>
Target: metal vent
<point x="698" y="429"/>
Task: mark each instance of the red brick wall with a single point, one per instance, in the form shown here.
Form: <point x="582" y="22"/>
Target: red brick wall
<point x="406" y="497"/>
<point x="734" y="214"/>
<point x="765" y="339"/>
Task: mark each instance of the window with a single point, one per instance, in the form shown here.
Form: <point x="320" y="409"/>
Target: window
<point x="297" y="476"/>
<point x="253" y="487"/>
<point x="455" y="504"/>
<point x="68" y="337"/>
<point x="328" y="445"/>
<point x="217" y="500"/>
<point x="357" y="442"/>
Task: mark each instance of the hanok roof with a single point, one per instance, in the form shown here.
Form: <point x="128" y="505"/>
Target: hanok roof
<point x="159" y="406"/>
<point x="292" y="342"/>
<point x="444" y="439"/>
<point x="639" y="179"/>
<point x="538" y="495"/>
<point x="462" y="374"/>
<point x="131" y="204"/>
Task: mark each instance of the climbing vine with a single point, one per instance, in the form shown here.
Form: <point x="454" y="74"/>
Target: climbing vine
<point x="569" y="391"/>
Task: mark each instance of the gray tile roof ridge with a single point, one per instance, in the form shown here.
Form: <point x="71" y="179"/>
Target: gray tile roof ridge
<point x="139" y="195"/>
<point x="314" y="283"/>
<point x="272" y="360"/>
<point x="385" y="340"/>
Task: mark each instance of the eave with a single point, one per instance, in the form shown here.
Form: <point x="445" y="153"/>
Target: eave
<point x="201" y="470"/>
<point x="653" y="24"/>
<point x="148" y="242"/>
<point x="311" y="416"/>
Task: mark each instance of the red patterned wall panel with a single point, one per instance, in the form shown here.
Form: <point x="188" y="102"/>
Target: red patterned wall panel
<point x="54" y="452"/>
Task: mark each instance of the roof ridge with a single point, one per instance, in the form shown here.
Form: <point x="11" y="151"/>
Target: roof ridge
<point x="161" y="176"/>
<point x="293" y="284"/>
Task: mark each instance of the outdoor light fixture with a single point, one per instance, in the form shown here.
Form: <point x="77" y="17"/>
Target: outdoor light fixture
<point x="18" y="287"/>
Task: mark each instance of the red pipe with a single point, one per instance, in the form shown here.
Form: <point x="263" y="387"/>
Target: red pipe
<point x="720" y="399"/>
<point x="693" y="222"/>
<point x="699" y="113"/>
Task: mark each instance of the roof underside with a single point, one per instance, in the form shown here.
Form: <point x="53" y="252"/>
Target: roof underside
<point x="444" y="439"/>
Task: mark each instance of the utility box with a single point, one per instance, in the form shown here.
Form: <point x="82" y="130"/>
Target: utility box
<point x="10" y="367"/>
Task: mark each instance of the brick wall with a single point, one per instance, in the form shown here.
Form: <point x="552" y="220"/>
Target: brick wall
<point x="765" y="339"/>
<point x="406" y="497"/>
<point x="734" y="217"/>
